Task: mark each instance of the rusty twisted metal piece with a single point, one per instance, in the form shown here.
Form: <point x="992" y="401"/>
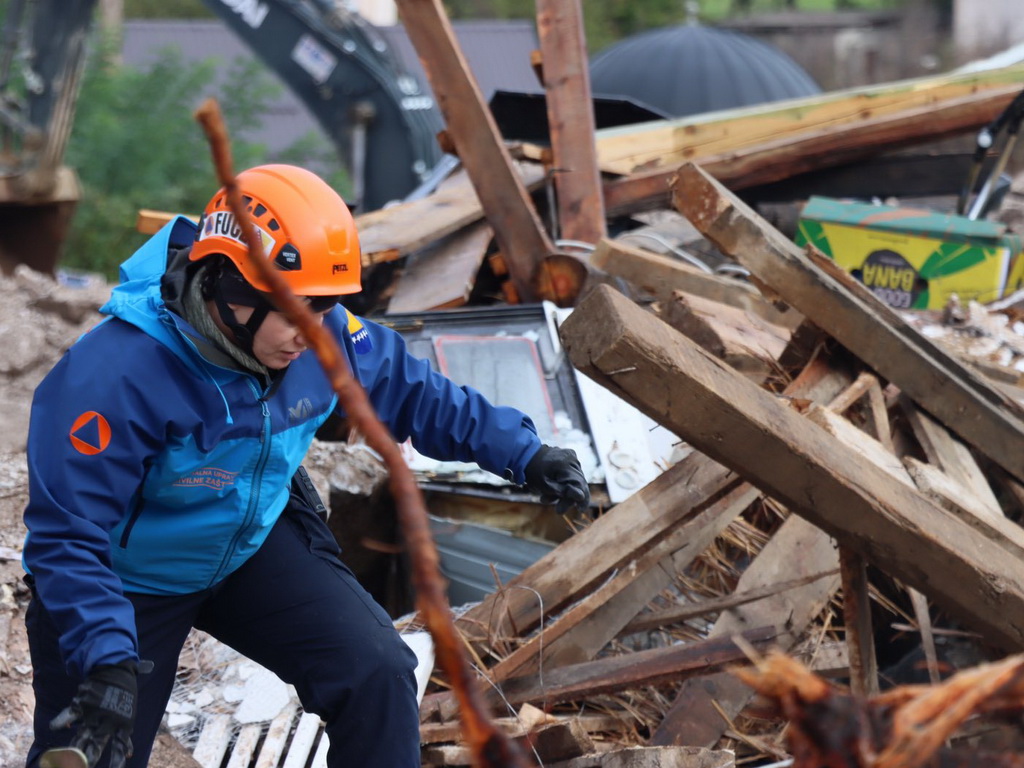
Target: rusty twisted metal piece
<point x="490" y="747"/>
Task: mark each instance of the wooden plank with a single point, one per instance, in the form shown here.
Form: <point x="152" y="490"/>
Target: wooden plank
<point x="860" y="635"/>
<point x="478" y="143"/>
<point x="862" y="443"/>
<point x="149" y="222"/>
<point x="853" y="393"/>
<point x="390" y="233"/>
<point x="578" y="634"/>
<point x="877" y="414"/>
<point x="744" y="341"/>
<point x="841" y="306"/>
<point x="996" y="527"/>
<point x="521" y="723"/>
<point x="947" y="492"/>
<point x="213" y="741"/>
<point x="946" y="452"/>
<point x="444" y="273"/>
<point x="580" y="563"/>
<point x="661" y="276"/>
<point x="860" y="642"/>
<point x="566" y="75"/>
<point x="798" y="549"/>
<point x="924" y="623"/>
<point x="653" y="757"/>
<point x="277" y="737"/>
<point x="245" y="745"/>
<point x="549" y="742"/>
<point x="680" y="613"/>
<point x="629" y="671"/>
<point x="724" y="415"/>
<point x="443" y="755"/>
<point x="302" y="741"/>
<point x="625" y="149"/>
<point x="778" y="159"/>
<point x="558" y="741"/>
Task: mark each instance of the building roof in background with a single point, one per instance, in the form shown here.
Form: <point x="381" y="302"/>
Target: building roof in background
<point x="498" y="53"/>
<point x="691" y="68"/>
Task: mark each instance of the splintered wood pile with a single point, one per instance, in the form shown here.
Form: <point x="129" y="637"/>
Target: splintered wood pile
<point x="853" y="491"/>
<point x="869" y="448"/>
<point x="837" y="506"/>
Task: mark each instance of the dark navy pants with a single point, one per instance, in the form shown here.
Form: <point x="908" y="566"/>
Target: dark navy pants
<point x="293" y="608"/>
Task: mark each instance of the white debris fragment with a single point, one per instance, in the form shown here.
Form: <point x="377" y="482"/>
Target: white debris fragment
<point x="264" y="697"/>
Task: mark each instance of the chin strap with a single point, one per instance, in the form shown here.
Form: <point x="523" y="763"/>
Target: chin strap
<point x="243" y="333"/>
<point x="225" y="292"/>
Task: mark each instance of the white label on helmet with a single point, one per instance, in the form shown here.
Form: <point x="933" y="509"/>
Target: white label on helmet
<point x="223" y="224"/>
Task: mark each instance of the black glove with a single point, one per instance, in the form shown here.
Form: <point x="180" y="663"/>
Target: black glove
<point x="104" y="709"/>
<point x="556" y="475"/>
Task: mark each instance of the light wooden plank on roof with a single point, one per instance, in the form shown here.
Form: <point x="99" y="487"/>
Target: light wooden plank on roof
<point x="671" y="142"/>
<point x="398" y="230"/>
<point x="826" y="147"/>
<point x="442" y="275"/>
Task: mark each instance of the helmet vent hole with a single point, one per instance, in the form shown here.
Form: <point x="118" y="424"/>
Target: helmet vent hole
<point x="273" y="226"/>
<point x="259" y="210"/>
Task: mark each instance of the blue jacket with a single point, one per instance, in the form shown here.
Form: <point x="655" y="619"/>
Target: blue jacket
<point x="156" y="466"/>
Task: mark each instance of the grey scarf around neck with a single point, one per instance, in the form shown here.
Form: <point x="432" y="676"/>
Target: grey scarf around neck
<point x="198" y="316"/>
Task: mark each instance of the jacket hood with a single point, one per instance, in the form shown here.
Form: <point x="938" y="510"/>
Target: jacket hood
<point x="150" y="295"/>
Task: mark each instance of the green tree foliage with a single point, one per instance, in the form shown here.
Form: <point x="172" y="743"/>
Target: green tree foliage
<point x="136" y="144"/>
<point x="161" y="9"/>
<point x="607" y="21"/>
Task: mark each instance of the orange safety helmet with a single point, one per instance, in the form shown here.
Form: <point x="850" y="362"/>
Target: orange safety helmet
<point x="306" y="228"/>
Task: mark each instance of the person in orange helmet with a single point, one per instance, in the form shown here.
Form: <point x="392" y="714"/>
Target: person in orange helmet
<point x="163" y="454"/>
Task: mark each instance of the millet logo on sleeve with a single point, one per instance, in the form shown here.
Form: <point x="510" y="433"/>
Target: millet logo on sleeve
<point x="90" y="434"/>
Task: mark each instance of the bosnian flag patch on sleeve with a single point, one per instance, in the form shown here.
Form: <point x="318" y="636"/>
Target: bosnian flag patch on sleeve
<point x="360" y="336"/>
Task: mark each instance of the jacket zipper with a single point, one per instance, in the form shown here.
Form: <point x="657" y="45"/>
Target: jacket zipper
<point x="132" y="518"/>
<point x="254" y="491"/>
<point x="136" y="512"/>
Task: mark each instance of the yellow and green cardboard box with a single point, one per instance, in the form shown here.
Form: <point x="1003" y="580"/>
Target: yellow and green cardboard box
<point x="911" y="258"/>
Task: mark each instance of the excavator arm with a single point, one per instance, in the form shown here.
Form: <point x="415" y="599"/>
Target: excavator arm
<point x="382" y="122"/>
<point x="41" y="64"/>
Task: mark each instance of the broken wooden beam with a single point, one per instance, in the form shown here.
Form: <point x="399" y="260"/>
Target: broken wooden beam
<point x="743" y="340"/>
<point x="442" y="275"/>
<point x="721" y="413"/>
<point x="653" y="757"/>
<point x="629" y="671"/>
<point x="582" y="562"/>
<point x="797" y="549"/>
<point x="850" y="313"/>
<point x="571" y="125"/>
<point x="660" y="275"/>
<point x="478" y="143"/>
